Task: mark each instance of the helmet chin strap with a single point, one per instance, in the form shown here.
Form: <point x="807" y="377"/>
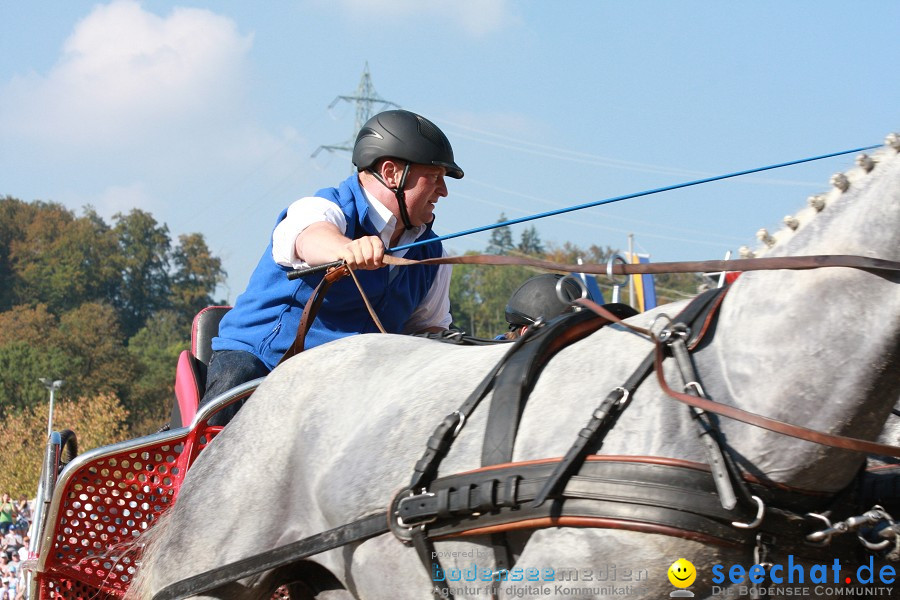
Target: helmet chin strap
<point x="398" y="193"/>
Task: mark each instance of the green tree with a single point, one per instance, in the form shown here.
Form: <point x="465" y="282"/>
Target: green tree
<point x="197" y="273"/>
<point x="671" y="287"/>
<point x="27" y="352"/>
<point x="155" y="349"/>
<point x="14" y="217"/>
<point x="98" y="363"/>
<point x="107" y="309"/>
<point x="501" y="241"/>
<point x="144" y="248"/>
<point x="84" y="347"/>
<point x="530" y="242"/>
<point x="21" y="365"/>
<point x="56" y="259"/>
<point x="38" y="264"/>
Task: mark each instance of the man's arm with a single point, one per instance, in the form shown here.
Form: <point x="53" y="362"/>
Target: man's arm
<point x="323" y="242"/>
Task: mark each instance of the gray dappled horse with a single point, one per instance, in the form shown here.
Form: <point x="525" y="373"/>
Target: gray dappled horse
<point x="334" y="433"/>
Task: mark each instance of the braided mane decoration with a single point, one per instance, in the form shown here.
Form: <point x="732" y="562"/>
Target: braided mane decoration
<point x="840" y="183"/>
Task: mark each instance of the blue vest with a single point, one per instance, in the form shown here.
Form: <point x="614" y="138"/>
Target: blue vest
<point x="265" y="318"/>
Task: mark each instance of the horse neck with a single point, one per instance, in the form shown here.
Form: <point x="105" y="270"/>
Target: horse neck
<point x="818" y="348"/>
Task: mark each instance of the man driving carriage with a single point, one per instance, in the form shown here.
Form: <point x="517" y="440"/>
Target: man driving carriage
<point x="402" y="160"/>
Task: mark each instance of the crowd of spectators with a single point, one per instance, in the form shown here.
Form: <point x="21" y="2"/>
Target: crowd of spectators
<point x="15" y="520"/>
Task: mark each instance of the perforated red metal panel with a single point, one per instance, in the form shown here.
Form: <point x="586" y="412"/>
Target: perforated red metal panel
<point x="71" y="590"/>
<point x="105" y="503"/>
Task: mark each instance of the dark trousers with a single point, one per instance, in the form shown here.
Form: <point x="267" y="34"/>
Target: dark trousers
<point x="228" y="369"/>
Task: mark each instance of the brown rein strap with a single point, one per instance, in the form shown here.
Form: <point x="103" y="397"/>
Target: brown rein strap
<point x="744" y="264"/>
<point x="613" y="268"/>
<point x="795" y="431"/>
<point x="315" y="302"/>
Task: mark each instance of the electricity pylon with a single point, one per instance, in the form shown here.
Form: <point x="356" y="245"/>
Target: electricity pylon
<point x="366" y="98"/>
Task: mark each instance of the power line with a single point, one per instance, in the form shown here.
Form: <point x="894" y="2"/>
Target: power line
<point x="366" y="98"/>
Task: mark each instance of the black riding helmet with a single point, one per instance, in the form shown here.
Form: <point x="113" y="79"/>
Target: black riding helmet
<point x="406" y="136"/>
<point x="537" y="297"/>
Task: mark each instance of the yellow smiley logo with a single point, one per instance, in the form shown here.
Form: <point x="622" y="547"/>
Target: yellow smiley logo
<point x="682" y="573"/>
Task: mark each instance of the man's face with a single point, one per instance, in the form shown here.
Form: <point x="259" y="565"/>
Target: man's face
<point x="424" y="187"/>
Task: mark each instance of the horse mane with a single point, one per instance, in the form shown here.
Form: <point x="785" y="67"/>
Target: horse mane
<point x="840" y="183"/>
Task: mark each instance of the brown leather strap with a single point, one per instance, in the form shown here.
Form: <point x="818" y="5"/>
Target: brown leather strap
<point x="795" y="431"/>
<point x="312" y="309"/>
<point x="744" y="264"/>
<point x="365" y="300"/>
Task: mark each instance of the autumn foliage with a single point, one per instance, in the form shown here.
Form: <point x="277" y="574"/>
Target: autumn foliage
<point x="96" y="421"/>
<point x="106" y="307"/>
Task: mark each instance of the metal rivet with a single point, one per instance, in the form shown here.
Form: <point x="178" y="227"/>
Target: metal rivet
<point x="746" y="252"/>
<point x="817" y="202"/>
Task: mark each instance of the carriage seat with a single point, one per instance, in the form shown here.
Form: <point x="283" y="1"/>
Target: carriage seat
<point x="190" y="373"/>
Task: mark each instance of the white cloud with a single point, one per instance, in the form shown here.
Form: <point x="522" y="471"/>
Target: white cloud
<point x="125" y="71"/>
<point x="477" y="17"/>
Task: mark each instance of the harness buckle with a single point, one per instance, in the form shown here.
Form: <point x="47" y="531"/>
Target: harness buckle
<point x="563" y="297"/>
<point x="415" y="521"/>
<point x="871" y="520"/>
<point x="417" y="517"/>
<point x="760" y="513"/>
<point x="875" y="517"/>
<point x="621" y="401"/>
<point x="677" y="331"/>
<point x="698" y="389"/>
<point x="459" y="425"/>
<point x="616" y="283"/>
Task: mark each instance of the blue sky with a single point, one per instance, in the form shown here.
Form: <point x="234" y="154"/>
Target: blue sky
<point x="206" y="113"/>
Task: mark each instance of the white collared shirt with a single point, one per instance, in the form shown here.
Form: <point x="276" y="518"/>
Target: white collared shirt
<point x="433" y="311"/>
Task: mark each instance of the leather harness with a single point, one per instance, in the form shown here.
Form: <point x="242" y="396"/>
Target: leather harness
<point x="648" y="494"/>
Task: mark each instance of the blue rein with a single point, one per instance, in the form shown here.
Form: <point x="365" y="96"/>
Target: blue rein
<point x="629" y="196"/>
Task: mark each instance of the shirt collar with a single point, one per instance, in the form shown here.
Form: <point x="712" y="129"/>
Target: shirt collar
<point x="385" y="222"/>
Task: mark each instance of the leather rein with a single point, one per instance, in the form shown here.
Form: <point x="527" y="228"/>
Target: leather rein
<point x="788" y="429"/>
<point x="338" y="269"/>
<point x="562" y="470"/>
<point x="865" y="263"/>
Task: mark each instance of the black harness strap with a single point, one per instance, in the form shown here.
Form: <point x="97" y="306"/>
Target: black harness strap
<point x="511" y="379"/>
<point x="460" y="338"/>
<point x="665" y="496"/>
<point x="436" y="449"/>
<point x="604" y="416"/>
<point x="518" y="378"/>
<point x="515" y="383"/>
<point x="359" y="530"/>
<point x="440" y="440"/>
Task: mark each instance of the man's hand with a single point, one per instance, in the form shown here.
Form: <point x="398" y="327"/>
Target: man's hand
<point x="322" y="243"/>
<point x="363" y="253"/>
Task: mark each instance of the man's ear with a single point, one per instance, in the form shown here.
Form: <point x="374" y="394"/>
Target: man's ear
<point x="391" y="171"/>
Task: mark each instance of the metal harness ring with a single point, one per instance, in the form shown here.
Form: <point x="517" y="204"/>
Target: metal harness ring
<point x="609" y="270"/>
<point x="760" y="513"/>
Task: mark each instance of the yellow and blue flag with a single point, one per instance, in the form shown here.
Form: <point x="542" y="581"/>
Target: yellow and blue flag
<point x="644" y="289"/>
